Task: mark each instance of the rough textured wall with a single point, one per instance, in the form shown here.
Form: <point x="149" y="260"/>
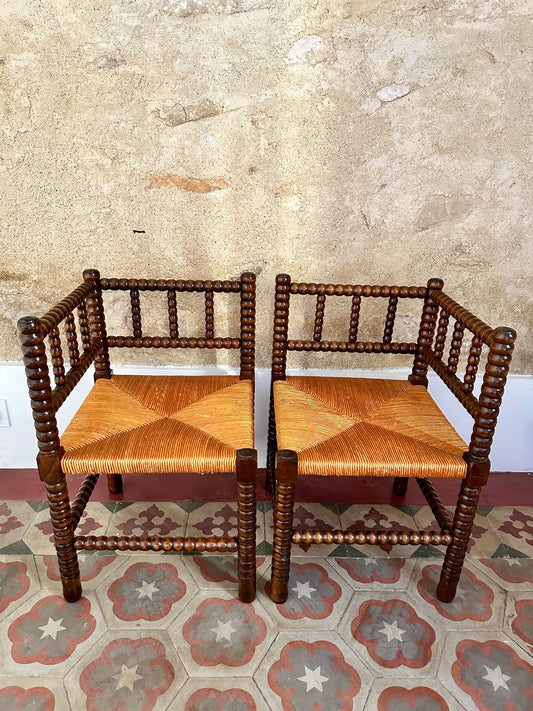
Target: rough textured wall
<point x="351" y="140"/>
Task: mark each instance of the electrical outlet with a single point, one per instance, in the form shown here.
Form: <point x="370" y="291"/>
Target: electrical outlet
<point x="4" y="416"/>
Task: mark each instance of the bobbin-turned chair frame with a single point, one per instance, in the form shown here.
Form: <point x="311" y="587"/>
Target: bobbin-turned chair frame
<point x="437" y="309"/>
<point x="94" y="348"/>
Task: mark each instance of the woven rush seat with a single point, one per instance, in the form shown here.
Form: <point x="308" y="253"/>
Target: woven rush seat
<point x="365" y="427"/>
<point x="135" y="424"/>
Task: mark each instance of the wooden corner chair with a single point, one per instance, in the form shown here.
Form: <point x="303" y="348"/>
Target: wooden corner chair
<point x="141" y="423"/>
<point x="346" y="426"/>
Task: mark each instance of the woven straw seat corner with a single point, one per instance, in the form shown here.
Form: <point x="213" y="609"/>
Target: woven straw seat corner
<point x="142" y="424"/>
<point x="329" y="426"/>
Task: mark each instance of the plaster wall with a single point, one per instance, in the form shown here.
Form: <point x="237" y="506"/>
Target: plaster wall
<point x="361" y="141"/>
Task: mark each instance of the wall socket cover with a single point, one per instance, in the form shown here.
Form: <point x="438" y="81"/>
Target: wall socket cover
<point x="4" y="416"/>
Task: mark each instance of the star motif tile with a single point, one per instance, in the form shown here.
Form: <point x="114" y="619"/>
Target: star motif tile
<point x="220" y="695"/>
<point x="411" y="694"/>
<point x="47" y="635"/>
<point x="313" y="670"/>
<point x="18" y="582"/>
<point x="371" y="574"/>
<point x="146" y="590"/>
<point x="219" y="572"/>
<point x="26" y="693"/>
<point x="317" y="596"/>
<point x="485" y="670"/>
<point x="130" y="669"/>
<point x="221" y="636"/>
<point x="477" y="602"/>
<point x="511" y="574"/>
<point x="391" y="633"/>
<point x="518" y="622"/>
<point x="94" y="568"/>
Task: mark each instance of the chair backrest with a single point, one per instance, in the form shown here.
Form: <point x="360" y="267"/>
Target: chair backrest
<point x="243" y="288"/>
<point x="436" y="310"/>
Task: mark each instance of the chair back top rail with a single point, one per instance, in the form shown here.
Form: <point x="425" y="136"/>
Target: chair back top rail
<point x="179" y="285"/>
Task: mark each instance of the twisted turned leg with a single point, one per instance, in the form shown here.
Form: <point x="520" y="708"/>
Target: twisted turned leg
<point x="246" y="504"/>
<point x="456" y="552"/>
<point x="286" y="474"/>
<point x="63" y="528"/>
<point x="399" y="488"/>
<point x="114" y="483"/>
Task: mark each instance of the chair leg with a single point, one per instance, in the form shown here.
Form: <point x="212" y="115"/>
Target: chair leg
<point x="114" y="483"/>
<point x="246" y="503"/>
<point x="456" y="552"/>
<point x="399" y="488"/>
<point x="270" y="483"/>
<point x="63" y="528"/>
<point x="286" y="474"/>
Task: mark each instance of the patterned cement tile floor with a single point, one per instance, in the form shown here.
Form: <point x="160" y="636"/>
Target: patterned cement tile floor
<point x="360" y="630"/>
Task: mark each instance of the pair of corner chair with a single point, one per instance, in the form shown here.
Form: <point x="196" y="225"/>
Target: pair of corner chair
<point x="318" y="425"/>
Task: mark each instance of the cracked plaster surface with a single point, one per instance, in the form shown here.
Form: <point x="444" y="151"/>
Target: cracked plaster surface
<point x="392" y="137"/>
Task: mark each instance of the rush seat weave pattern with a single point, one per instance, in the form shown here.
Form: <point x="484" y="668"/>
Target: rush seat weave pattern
<point x="365" y="427"/>
<point x="134" y="424"/>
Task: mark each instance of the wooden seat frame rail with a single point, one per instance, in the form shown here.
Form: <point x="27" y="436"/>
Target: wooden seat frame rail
<point x="94" y="348"/>
<point x="437" y="309"/>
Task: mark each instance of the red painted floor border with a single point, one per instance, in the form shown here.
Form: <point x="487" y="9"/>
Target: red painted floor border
<point x="503" y="489"/>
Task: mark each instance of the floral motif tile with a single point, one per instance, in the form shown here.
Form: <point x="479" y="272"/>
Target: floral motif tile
<point x="391" y="635"/>
<point x="477" y="602"/>
<point x="39" y="536"/>
<point x="483" y="540"/>
<point x="317" y="596"/>
<point x="229" y="694"/>
<point x="308" y="516"/>
<point x="94" y="568"/>
<point x="146" y="591"/>
<point x="518" y="621"/>
<point x="220" y="519"/>
<point x="513" y="526"/>
<point x="375" y="573"/>
<point x="313" y="671"/>
<point x="486" y="671"/>
<point x="148" y="519"/>
<point x="403" y="694"/>
<point x="32" y="694"/>
<point x="46" y="635"/>
<point x="379" y="518"/>
<point x="18" y="582"/>
<point x="512" y="574"/>
<point x="220" y="636"/>
<point x="15" y="517"/>
<point x="130" y="671"/>
<point x="219" y="572"/>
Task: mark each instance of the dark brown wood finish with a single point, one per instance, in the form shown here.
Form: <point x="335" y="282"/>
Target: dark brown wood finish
<point x="437" y="309"/>
<point x="45" y="401"/>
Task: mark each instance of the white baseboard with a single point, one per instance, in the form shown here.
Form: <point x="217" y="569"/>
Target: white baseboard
<point x="512" y="449"/>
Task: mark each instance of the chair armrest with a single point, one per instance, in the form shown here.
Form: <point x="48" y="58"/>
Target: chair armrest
<point x="34" y="333"/>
